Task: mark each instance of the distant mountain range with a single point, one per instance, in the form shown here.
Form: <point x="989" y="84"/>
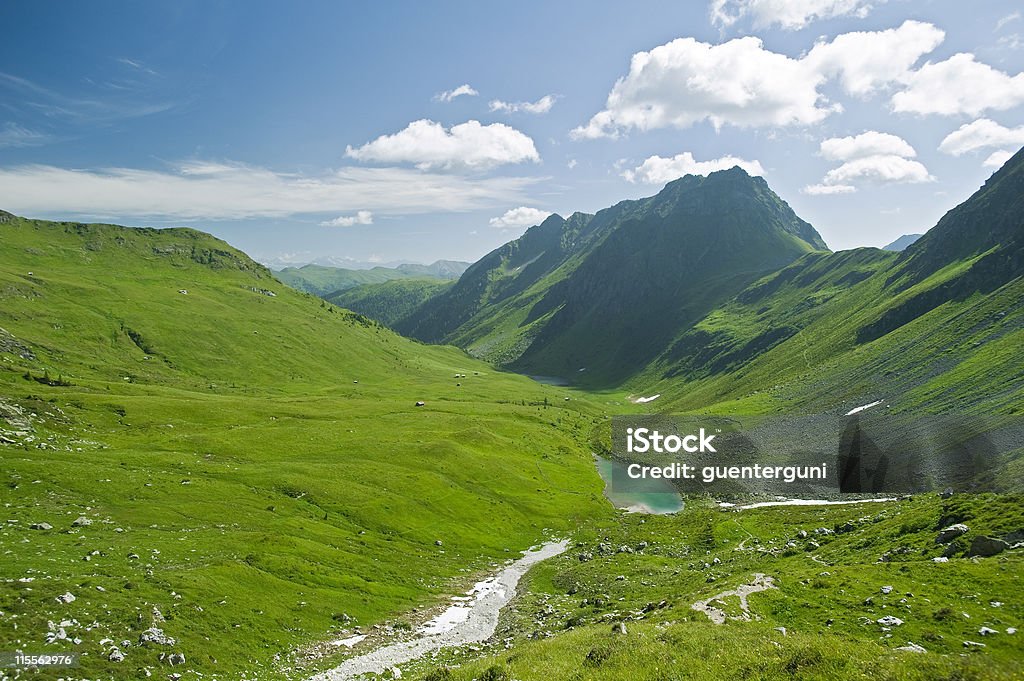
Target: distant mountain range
<point x="323" y="280"/>
<point x="902" y="243"/>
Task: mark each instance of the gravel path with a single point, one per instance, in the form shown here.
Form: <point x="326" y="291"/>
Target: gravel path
<point x="761" y="582"/>
<point x="468" y="621"/>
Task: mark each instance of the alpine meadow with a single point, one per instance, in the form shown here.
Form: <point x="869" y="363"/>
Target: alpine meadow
<point x="247" y="435"/>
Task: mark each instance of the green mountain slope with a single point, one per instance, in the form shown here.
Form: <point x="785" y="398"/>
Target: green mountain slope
<point x="598" y="297"/>
<point x="322" y="281"/>
<point x="246" y="458"/>
<point x="389" y="302"/>
<point x="935" y="327"/>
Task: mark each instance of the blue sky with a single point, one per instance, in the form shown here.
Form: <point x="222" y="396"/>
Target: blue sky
<point x="382" y="132"/>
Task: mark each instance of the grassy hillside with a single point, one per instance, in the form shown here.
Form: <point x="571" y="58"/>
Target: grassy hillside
<point x="323" y="281"/>
<point x="247" y="458"/>
<point x="933" y="328"/>
<point x="389" y="302"/>
<point x="834" y="571"/>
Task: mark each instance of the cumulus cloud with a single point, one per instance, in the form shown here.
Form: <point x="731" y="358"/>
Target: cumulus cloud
<point x="659" y="170"/>
<point x="981" y="134"/>
<point x="687" y="81"/>
<point x="870" y="157"/>
<point x="789" y="14"/>
<point x="870" y="143"/>
<point x="541" y="106"/>
<point x="741" y="83"/>
<point x="523" y="216"/>
<point x="997" y="158"/>
<point x="867" y="61"/>
<point x="880" y="169"/>
<point x="959" y="85"/>
<point x="429" y="145"/>
<point x="363" y="217"/>
<point x="226" y="191"/>
<point x="463" y="90"/>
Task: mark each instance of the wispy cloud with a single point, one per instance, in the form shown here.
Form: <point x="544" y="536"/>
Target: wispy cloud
<point x="541" y="106"/>
<point x="464" y="90"/>
<point x="200" y="190"/>
<point x="129" y="101"/>
<point x="137" y="65"/>
<point x="1003" y="21"/>
<point x="14" y="135"/>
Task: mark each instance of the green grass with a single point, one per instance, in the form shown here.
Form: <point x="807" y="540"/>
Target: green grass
<point x="256" y="471"/>
<point x="828" y="598"/>
<point x="262" y="455"/>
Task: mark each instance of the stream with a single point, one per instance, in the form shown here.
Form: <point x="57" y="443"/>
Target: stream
<point x="472" y="619"/>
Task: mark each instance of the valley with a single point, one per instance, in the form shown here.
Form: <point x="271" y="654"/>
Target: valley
<point x="210" y="474"/>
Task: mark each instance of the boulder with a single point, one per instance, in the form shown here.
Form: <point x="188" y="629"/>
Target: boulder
<point x="81" y="521"/>
<point x="40" y="526"/>
<point x="157" y="636"/>
<point x="950" y="533"/>
<point x="986" y="546"/>
<point x="889" y="621"/>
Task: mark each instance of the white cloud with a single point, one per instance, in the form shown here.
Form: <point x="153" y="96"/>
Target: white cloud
<point x="870" y="143"/>
<point x="879" y="169"/>
<point x="997" y="158"/>
<point x="1011" y="42"/>
<point x="659" y="170"/>
<point x="226" y="191"/>
<point x="741" y="83"/>
<point x="789" y="14"/>
<point x="14" y="135"/>
<point x="687" y="81"/>
<point x="363" y="217"/>
<point x="541" y="106"/>
<point x="462" y="90"/>
<point x="826" y="189"/>
<point x="468" y="145"/>
<point x="873" y="157"/>
<point x="866" y="61"/>
<point x="980" y="134"/>
<point x="523" y="216"/>
<point x="1012" y="16"/>
<point x="959" y="85"/>
<point x="571" y="164"/>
